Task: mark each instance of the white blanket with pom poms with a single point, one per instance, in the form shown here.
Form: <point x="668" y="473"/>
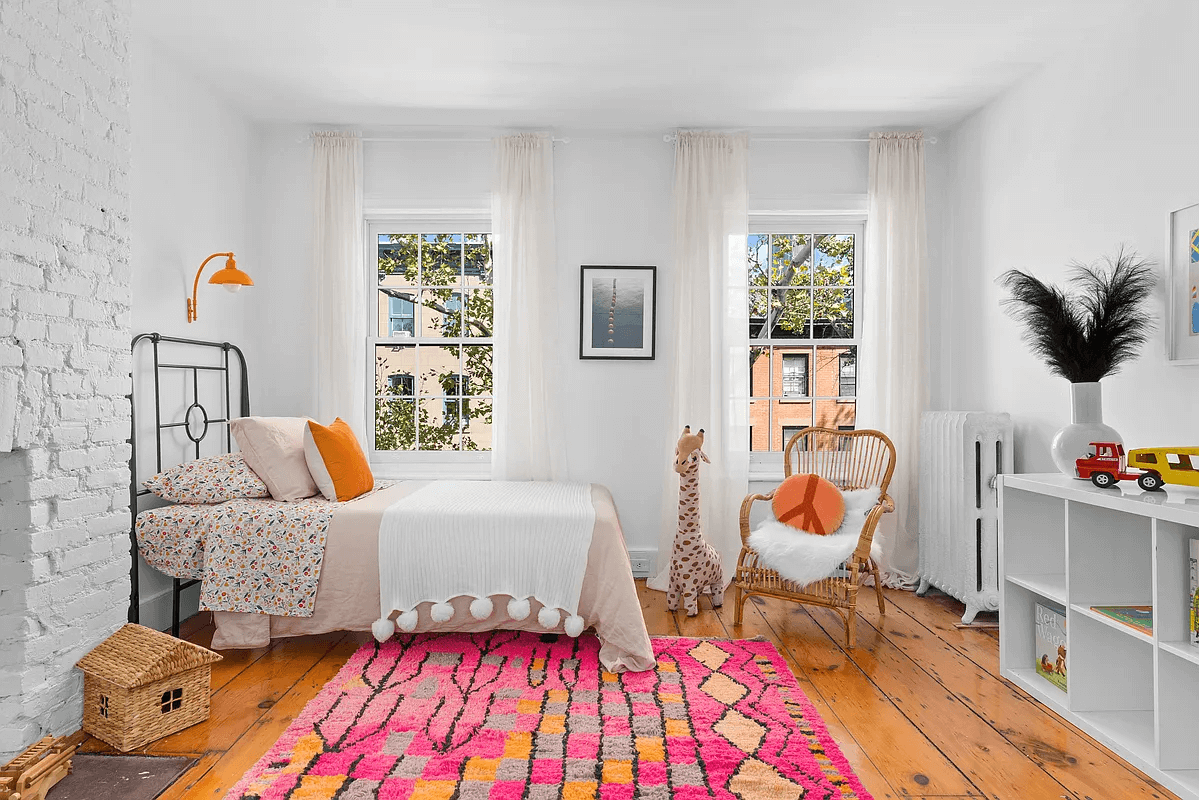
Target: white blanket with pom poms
<point x="807" y="557"/>
<point x="523" y="539"/>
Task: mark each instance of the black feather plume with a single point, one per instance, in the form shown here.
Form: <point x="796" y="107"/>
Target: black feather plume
<point x="1087" y="336"/>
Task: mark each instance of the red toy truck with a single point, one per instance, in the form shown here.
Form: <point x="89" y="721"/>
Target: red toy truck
<point x="1106" y="466"/>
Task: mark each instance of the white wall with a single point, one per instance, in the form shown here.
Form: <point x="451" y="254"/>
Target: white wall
<point x="192" y="176"/>
<point x="612" y="206"/>
<point x="1088" y="154"/>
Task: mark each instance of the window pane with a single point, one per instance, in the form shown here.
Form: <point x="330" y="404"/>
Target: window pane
<point x="392" y="364"/>
<point x="789" y="415"/>
<point x="792" y="370"/>
<point x="834" y="261"/>
<point x="476" y="359"/>
<point x="791" y="259"/>
<point x="479" y="313"/>
<point x="398" y="259"/>
<point x="441" y="259"/>
<point x="476" y="423"/>
<point x="758" y="305"/>
<point x="835" y="366"/>
<point x="478" y="267"/>
<point x="833" y="312"/>
<point x="847" y="372"/>
<point x="395" y="424"/>
<point x="789" y="314"/>
<point x="759" y="425"/>
<point x="397" y="312"/>
<point x="759" y="372"/>
<point x="836" y="414"/>
<point x="439" y="370"/>
<point x="441" y="313"/>
<point x="439" y="417"/>
<point x="758" y="258"/>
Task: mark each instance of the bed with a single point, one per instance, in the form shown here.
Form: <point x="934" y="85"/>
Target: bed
<point x="187" y="542"/>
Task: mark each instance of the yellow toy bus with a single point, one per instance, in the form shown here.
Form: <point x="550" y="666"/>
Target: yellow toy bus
<point x="1161" y="465"/>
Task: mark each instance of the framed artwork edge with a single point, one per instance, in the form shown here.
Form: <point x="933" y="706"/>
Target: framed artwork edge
<point x="652" y="307"/>
<point x="1172" y="286"/>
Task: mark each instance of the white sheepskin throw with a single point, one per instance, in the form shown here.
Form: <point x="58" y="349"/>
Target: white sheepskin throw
<point x="807" y="557"/>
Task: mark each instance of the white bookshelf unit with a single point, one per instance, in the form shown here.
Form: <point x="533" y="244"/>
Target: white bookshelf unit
<point x="1069" y="543"/>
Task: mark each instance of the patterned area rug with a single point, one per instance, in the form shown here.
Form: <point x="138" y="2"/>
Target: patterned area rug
<point x="517" y="716"/>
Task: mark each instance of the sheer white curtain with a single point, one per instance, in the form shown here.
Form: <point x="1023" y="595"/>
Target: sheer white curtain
<point x="710" y="338"/>
<point x="526" y="444"/>
<point x="340" y="280"/>
<point x="894" y="385"/>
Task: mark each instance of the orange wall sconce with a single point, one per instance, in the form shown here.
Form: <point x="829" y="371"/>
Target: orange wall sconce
<point x="228" y="276"/>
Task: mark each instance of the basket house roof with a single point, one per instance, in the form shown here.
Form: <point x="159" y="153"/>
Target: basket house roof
<point x="136" y="656"/>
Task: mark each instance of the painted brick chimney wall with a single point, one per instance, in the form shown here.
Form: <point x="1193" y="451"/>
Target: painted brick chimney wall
<point x="64" y="341"/>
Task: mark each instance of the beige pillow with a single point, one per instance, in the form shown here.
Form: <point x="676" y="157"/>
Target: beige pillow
<point x="274" y="449"/>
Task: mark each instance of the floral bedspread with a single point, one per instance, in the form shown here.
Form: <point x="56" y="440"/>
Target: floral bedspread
<point x="257" y="556"/>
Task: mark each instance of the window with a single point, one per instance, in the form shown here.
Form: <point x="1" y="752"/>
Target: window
<point x="789" y="431"/>
<point x="432" y="342"/>
<point x="795" y="374"/>
<point x="402" y="316"/>
<point x="803" y="287"/>
<point x="171" y="700"/>
<point x="104" y="706"/>
<point x="847" y="381"/>
<point x="401" y="384"/>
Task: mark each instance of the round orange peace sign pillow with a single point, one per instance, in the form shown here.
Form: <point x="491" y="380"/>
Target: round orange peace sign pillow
<point x="809" y="503"/>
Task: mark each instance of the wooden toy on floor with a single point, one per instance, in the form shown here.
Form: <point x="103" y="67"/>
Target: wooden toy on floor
<point x="34" y="772"/>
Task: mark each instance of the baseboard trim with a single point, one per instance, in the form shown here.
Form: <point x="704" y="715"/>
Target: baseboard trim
<point x="155" y="610"/>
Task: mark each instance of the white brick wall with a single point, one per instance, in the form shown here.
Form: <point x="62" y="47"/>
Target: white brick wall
<point x="64" y="331"/>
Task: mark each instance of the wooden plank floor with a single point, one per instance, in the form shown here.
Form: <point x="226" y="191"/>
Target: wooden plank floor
<point x="917" y="707"/>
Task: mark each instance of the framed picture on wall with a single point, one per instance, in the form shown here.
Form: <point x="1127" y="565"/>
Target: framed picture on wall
<point x="1182" y="272"/>
<point x="618" y="310"/>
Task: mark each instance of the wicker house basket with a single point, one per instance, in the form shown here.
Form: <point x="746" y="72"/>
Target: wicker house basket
<point x="140" y="685"/>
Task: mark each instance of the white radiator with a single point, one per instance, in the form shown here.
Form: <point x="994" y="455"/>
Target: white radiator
<point x="961" y="453"/>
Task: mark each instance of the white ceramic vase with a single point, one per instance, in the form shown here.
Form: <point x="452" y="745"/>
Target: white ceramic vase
<point x="1074" y="441"/>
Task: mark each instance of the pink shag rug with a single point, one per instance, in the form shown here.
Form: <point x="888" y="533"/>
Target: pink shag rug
<point x="507" y="715"/>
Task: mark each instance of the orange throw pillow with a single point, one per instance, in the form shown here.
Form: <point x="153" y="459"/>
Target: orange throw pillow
<point x="336" y="461"/>
<point x="809" y="503"/>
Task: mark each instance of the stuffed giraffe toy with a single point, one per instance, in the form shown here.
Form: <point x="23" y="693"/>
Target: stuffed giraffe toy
<point x="694" y="564"/>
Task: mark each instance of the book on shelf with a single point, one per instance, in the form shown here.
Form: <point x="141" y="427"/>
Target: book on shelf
<point x="1051" y="644"/>
<point x="1139" y="618"/>
<point x="1193" y="597"/>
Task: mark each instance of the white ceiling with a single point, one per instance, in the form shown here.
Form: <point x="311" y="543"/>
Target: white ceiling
<point x="618" y="63"/>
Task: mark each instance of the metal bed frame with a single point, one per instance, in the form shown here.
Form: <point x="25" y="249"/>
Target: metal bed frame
<point x="135" y="491"/>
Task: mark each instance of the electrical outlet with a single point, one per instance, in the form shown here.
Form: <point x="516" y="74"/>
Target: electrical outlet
<point x="642" y="562"/>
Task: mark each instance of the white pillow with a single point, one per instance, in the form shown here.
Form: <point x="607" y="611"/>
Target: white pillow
<point x="274" y="449"/>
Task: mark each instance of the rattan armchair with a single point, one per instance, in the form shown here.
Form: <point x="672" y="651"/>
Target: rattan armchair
<point x="851" y="460"/>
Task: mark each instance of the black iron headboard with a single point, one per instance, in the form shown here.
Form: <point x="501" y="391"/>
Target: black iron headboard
<point x="204" y="422"/>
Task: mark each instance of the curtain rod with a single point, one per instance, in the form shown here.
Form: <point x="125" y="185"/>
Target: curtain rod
<point x="671" y="138"/>
<point x="435" y="139"/>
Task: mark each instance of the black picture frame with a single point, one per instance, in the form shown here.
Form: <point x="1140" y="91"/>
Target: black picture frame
<point x="647" y="277"/>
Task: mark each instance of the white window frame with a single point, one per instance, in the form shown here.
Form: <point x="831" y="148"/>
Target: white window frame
<point x="768" y="466"/>
<point x="409" y="464"/>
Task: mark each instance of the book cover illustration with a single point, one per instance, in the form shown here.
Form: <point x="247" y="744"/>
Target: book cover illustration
<point x="1051" y="644"/>
<point x="1194" y="595"/>
<point x="1139" y="618"/>
<point x="1194" y="293"/>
